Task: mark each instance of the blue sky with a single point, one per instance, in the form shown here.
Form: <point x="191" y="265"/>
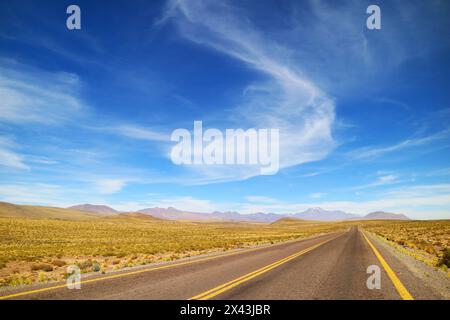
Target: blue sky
<point x="86" y="115"/>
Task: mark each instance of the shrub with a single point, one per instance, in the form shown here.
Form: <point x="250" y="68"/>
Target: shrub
<point x="85" y="264"/>
<point x="19" y="279"/>
<point x="42" y="266"/>
<point x="42" y="277"/>
<point x="445" y="259"/>
<point x="58" y="263"/>
<point x="96" y="267"/>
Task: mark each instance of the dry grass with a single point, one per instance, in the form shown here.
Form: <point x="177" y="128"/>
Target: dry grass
<point x="41" y="249"/>
<point x="424" y="240"/>
<point x="41" y="212"/>
<point x="29" y="247"/>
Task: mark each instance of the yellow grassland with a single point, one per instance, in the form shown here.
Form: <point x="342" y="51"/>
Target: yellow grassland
<point x="423" y="240"/>
<point x="40" y="249"/>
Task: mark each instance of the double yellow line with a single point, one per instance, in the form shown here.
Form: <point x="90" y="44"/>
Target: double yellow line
<point x="120" y="275"/>
<point x="403" y="292"/>
<point x="231" y="284"/>
<point x="401" y="289"/>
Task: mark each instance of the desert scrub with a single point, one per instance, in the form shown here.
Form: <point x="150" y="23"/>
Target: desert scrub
<point x="58" y="263"/>
<point x="427" y="241"/>
<point x="33" y="240"/>
<point x="42" y="266"/>
<point x="19" y="279"/>
<point x="45" y="244"/>
<point x="96" y="267"/>
<point x="42" y="277"/>
<point x="445" y="259"/>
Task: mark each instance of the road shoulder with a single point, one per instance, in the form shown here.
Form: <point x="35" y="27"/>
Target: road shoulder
<point x="435" y="282"/>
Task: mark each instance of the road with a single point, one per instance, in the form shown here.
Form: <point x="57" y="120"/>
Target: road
<point x="331" y="266"/>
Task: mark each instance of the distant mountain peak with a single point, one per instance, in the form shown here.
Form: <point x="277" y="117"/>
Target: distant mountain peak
<point x="95" y="208"/>
<point x="313" y="213"/>
<point x="381" y="215"/>
<point x="317" y="213"/>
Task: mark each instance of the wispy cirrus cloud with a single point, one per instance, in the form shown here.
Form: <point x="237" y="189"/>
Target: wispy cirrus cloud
<point x="31" y="95"/>
<point x="286" y="99"/>
<point x="380" y="181"/>
<point x="140" y="133"/>
<point x="109" y="186"/>
<point x="372" y="152"/>
<point x="9" y="158"/>
<point x="33" y="193"/>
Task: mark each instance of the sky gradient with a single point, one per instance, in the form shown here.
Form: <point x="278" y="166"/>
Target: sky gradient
<point x="86" y="115"/>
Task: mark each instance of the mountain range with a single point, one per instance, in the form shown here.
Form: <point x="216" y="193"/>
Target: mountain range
<point x="317" y="214"/>
<point x="90" y="211"/>
<point x="99" y="209"/>
<point x="381" y="215"/>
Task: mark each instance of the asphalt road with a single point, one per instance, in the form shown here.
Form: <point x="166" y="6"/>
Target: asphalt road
<point x="331" y="266"/>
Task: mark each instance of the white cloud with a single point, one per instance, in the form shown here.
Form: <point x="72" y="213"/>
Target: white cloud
<point x="312" y="174"/>
<point x="317" y="51"/>
<point x="371" y="152"/>
<point x="109" y="186"/>
<point x="30" y="95"/>
<point x="286" y="100"/>
<point x="12" y="160"/>
<point x="186" y="203"/>
<point x="260" y="199"/>
<point x="386" y="179"/>
<point x="8" y="158"/>
<point x="344" y="56"/>
<point x="189" y="204"/>
<point x="32" y="193"/>
<point x="317" y="195"/>
<point x="8" y="142"/>
<point x="381" y="181"/>
<point x="419" y="202"/>
<point x="41" y="160"/>
<point x="136" y="132"/>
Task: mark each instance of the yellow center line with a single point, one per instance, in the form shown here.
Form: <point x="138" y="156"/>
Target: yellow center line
<point x="24" y="293"/>
<point x="233" y="283"/>
<point x="401" y="289"/>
